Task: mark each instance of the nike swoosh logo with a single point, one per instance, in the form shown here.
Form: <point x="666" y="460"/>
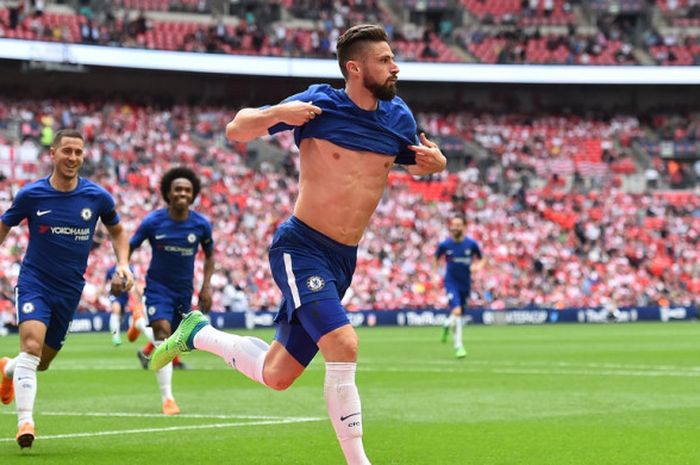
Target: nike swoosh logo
<point x="348" y="416"/>
<point x="42" y="212"/>
<point x="160" y="236"/>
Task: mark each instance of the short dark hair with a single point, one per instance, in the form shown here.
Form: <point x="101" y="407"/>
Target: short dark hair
<point x="177" y="173"/>
<point x="66" y="133"/>
<point x="354" y="39"/>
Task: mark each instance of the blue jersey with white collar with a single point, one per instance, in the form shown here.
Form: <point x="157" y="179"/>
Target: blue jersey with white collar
<point x="388" y="130"/>
<point x="61" y="227"/>
<point x="458" y="258"/>
<point x="174" y="246"/>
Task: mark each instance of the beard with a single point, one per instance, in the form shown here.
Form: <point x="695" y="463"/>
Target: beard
<point x="457" y="235"/>
<point x="385" y="91"/>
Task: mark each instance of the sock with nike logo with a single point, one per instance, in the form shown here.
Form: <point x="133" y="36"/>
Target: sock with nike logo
<point x="344" y="409"/>
<point x="24" y="380"/>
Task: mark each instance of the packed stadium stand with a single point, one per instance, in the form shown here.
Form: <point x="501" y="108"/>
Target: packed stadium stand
<point x="596" y="32"/>
<point x="547" y="204"/>
<point x="572" y="209"/>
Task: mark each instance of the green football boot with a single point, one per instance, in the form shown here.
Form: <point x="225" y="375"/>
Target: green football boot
<point x="445" y="333"/>
<point x="180" y="342"/>
<point x="461" y="352"/>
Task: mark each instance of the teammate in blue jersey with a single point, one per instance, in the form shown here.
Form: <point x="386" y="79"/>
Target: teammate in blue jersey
<point x="175" y="234"/>
<point x="462" y="255"/>
<point x="348" y="140"/>
<point x="61" y="212"/>
<point x="118" y="303"/>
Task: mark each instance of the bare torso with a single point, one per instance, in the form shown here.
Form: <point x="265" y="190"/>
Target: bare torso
<point x="339" y="189"/>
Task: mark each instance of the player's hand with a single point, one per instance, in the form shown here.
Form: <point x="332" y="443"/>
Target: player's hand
<point x="297" y="113"/>
<point x="123" y="273"/>
<point x="116" y="286"/>
<point x="205" y="299"/>
<point x="429" y="158"/>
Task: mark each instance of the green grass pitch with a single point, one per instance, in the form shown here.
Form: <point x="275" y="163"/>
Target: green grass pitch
<point x="525" y="395"/>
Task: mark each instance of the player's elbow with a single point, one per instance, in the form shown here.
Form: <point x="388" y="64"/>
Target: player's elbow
<point x="234" y="133"/>
<point x="238" y="130"/>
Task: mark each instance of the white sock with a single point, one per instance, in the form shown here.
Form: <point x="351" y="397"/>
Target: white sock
<point x="165" y="379"/>
<point x="10" y="367"/>
<point x="458" y="332"/>
<point x="140" y="324"/>
<point x="344" y="410"/>
<point x="245" y="354"/>
<point x="114" y="323"/>
<point x="24" y="379"/>
<point x="449" y="321"/>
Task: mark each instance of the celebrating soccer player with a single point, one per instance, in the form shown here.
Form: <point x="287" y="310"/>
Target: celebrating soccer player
<point x="62" y="211"/>
<point x="175" y="233"/>
<point x="348" y="139"/>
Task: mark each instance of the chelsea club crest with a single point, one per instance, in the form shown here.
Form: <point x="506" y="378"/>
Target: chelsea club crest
<point x="315" y="283"/>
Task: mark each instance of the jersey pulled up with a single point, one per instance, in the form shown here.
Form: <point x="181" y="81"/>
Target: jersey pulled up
<point x="388" y="130"/>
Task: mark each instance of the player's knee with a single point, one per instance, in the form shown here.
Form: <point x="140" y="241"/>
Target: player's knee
<point x="32" y="347"/>
<point x="277" y="379"/>
<point x="346" y="347"/>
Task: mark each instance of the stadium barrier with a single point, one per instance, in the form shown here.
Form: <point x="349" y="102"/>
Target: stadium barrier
<point x="431" y="317"/>
<point x="317" y="68"/>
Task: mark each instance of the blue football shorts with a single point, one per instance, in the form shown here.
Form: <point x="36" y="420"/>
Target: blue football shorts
<point x="52" y="308"/>
<point x="313" y="272"/>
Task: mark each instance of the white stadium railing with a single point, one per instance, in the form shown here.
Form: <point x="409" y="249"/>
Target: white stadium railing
<point x="92" y="55"/>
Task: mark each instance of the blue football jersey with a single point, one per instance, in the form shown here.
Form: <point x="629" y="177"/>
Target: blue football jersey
<point x="174" y="246"/>
<point x="458" y="258"/>
<point x="61" y="227"/>
<point x="388" y="130"/>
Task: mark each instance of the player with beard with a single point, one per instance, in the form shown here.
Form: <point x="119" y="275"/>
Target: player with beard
<point x="461" y="253"/>
<point x="348" y="140"/>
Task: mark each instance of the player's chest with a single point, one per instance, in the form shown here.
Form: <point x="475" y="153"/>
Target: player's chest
<point x="176" y="238"/>
<point x="456" y="253"/>
<point x="70" y="212"/>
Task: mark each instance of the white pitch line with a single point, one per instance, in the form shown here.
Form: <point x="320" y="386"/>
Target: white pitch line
<point x="168" y="429"/>
<point x="522" y="364"/>
<point x="535" y="371"/>
<point x="160" y="415"/>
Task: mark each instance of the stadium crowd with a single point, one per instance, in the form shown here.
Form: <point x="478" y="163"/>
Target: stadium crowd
<point x="566" y="238"/>
<point x="504" y="31"/>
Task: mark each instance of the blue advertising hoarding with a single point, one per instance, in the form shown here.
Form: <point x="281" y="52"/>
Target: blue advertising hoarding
<point x="89" y="322"/>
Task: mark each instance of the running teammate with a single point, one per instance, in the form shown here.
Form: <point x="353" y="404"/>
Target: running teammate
<point x="175" y="234"/>
<point x="62" y="212"/>
<point x="461" y="254"/>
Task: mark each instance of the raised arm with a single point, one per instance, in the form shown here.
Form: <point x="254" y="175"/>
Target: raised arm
<point x="251" y="123"/>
